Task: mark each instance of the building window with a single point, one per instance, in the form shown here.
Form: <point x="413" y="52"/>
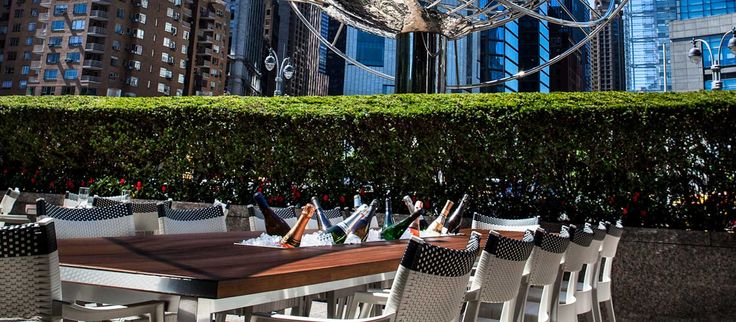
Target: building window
<point x="115" y="45"/>
<point x="7" y="84"/>
<point x="113" y="76"/>
<point x="184" y="49"/>
<point x="60" y="9"/>
<point x="132" y="81"/>
<point x="10" y="70"/>
<point x="34" y="12"/>
<point x="18" y="13"/>
<point x="25" y="70"/>
<point x="31" y="26"/>
<point x="118" y="29"/>
<point x="88" y="91"/>
<point x="14" y="41"/>
<point x="181" y="79"/>
<point x="73" y="57"/>
<point x="23" y="84"/>
<point x="80" y="8"/>
<point x="70" y="74"/>
<point x="17" y="27"/>
<point x="113" y="61"/>
<point x="370" y="49"/>
<point x="138" y="33"/>
<point x="29" y="41"/>
<point x="50" y="74"/>
<point x="68" y="90"/>
<point x="170" y="28"/>
<point x="55" y="42"/>
<point x="57" y="25"/>
<point x="139" y="18"/>
<point x="78" y="25"/>
<point x="12" y="55"/>
<point x="163" y="88"/>
<point x="75" y="41"/>
<point x="165" y="73"/>
<point x="134" y="64"/>
<point x="27" y="55"/>
<point x="52" y="58"/>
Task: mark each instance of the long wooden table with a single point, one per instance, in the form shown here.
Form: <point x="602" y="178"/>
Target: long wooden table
<point x="207" y="273"/>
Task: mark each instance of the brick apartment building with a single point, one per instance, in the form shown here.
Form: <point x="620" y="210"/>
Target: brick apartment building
<point x="113" y="47"/>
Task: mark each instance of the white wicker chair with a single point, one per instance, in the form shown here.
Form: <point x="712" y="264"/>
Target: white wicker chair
<point x="71" y="200"/>
<point x="29" y="274"/>
<point x="189" y="221"/>
<point x="498" y="276"/>
<point x="602" y="281"/>
<point x="501" y="224"/>
<point x="6" y="206"/>
<point x="255" y="217"/>
<point x="429" y="286"/>
<point x="114" y="221"/>
<point x="224" y="205"/>
<point x="584" y="290"/>
<point x="145" y="214"/>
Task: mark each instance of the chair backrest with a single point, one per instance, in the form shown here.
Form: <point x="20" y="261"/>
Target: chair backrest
<point x="6" y="205"/>
<point x="189" y="221"/>
<point x="114" y="221"/>
<point x="578" y="250"/>
<point x="255" y="217"/>
<point x="610" y="242"/>
<point x="145" y="214"/>
<point x="71" y="200"/>
<point x="225" y="206"/>
<point x="501" y="267"/>
<point x="431" y="280"/>
<point x="544" y="263"/>
<point x="29" y="271"/>
<point x="501" y="224"/>
<point x="334" y="215"/>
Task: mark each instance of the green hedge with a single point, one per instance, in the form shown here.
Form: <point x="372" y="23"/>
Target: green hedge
<point x="658" y="159"/>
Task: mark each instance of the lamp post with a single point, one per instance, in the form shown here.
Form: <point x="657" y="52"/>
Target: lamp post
<point x="696" y="56"/>
<point x="283" y="70"/>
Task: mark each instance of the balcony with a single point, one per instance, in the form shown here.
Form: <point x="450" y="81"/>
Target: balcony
<point x="204" y="52"/>
<point x="92" y="64"/>
<point x="45" y="3"/>
<point x="39" y="49"/>
<point x="207" y="26"/>
<point x="205" y="14"/>
<point x="43" y="16"/>
<point x="33" y="80"/>
<point x="102" y="2"/>
<point x="97" y="31"/>
<point x="95" y="47"/>
<point x="98" y="15"/>
<point x="89" y="79"/>
<point x="36" y="64"/>
<point x="205" y="39"/>
<point x="204" y="63"/>
<point x="41" y="33"/>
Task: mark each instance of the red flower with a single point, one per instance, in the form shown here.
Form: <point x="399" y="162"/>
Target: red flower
<point x="38" y="172"/>
<point x="138" y="186"/>
<point x="362" y="192"/>
<point x="297" y="194"/>
<point x="91" y="181"/>
<point x="52" y="184"/>
<point x="635" y="197"/>
<point x="426" y="204"/>
<point x="260" y="189"/>
<point x="33" y="180"/>
<point x="643" y="213"/>
<point x="625" y="211"/>
<point x="325" y="198"/>
<point x="280" y="198"/>
<point x="163" y="188"/>
<point x="122" y="181"/>
<point x="414" y="199"/>
<point x="342" y="199"/>
<point x="69" y="184"/>
<point x="270" y="200"/>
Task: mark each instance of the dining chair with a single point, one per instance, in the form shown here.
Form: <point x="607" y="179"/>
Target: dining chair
<point x="114" y="221"/>
<point x="541" y="272"/>
<point x="429" y="286"/>
<point x="603" y="279"/>
<point x="71" y="200"/>
<point x="498" y="276"/>
<point x="255" y="217"/>
<point x="189" y="221"/>
<point x="145" y="214"/>
<point x="6" y="207"/>
<point x="502" y="224"/>
<point x="585" y="293"/>
<point x="224" y="205"/>
<point x="30" y="277"/>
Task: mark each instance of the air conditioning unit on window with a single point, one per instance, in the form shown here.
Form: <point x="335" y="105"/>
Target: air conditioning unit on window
<point x="170" y="60"/>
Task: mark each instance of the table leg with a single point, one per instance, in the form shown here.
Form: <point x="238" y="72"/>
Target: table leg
<point x="190" y="311"/>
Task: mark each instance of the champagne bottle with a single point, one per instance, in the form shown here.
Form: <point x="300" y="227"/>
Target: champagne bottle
<point x="357" y="202"/>
<point x="388" y="218"/>
<point x="439" y="223"/>
<point x="293" y="238"/>
<point x="452" y="225"/>
<point x="423" y="224"/>
<point x="416" y="225"/>
<point x="361" y="227"/>
<point x="275" y="225"/>
<point x="340" y="231"/>
<point x="322" y="221"/>
<point x="395" y="231"/>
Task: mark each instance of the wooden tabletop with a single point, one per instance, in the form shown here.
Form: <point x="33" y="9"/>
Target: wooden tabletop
<point x="223" y="269"/>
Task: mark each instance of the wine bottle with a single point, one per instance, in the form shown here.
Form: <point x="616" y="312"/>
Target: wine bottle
<point x="388" y="218"/>
<point x="423" y="224"/>
<point x="340" y="231"/>
<point x="361" y="227"/>
<point x="452" y="225"/>
<point x="322" y="221"/>
<point x="293" y="238"/>
<point x="439" y="223"/>
<point x="416" y="226"/>
<point x="395" y="231"/>
<point x="357" y="202"/>
<point x="409" y="204"/>
<point x="275" y="225"/>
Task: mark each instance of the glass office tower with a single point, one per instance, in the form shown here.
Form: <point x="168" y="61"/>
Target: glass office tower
<point x="645" y="31"/>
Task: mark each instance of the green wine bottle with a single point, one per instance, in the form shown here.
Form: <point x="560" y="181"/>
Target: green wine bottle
<point x="322" y="221"/>
<point x="361" y="227"/>
<point x="395" y="231"/>
<point x="340" y="231"/>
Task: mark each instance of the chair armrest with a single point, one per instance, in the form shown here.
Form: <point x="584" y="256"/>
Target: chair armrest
<point x="78" y="312"/>
<point x="292" y="318"/>
<point x="472" y="295"/>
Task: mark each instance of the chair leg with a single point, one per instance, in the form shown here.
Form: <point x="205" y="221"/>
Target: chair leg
<point x="220" y="317"/>
<point x="471" y="311"/>
<point x="519" y="308"/>
<point x="331" y="309"/>
<point x="609" y="311"/>
<point x="596" y="308"/>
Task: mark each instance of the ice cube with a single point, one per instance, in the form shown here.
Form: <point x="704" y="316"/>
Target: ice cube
<point x="373" y="235"/>
<point x="428" y="233"/>
<point x="352" y="239"/>
<point x="406" y="235"/>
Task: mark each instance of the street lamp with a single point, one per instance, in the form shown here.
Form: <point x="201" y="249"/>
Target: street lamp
<point x="696" y="56"/>
<point x="285" y="70"/>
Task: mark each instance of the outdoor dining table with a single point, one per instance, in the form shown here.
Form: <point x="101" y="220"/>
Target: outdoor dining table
<point x="201" y="274"/>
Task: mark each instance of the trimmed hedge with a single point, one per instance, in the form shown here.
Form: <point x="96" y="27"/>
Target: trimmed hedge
<point x="657" y="159"/>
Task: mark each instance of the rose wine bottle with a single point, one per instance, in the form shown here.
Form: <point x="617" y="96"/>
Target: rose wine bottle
<point x="388" y="218"/>
<point x="395" y="231"/>
<point x="361" y="227"/>
<point x="340" y="231"/>
<point x="452" y="225"/>
<point x="322" y="221"/>
<point x="275" y="225"/>
<point x="439" y="223"/>
<point x="293" y="238"/>
<point x="416" y="225"/>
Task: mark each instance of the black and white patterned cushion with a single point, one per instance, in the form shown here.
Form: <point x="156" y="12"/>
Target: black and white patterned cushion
<point x="285" y="213"/>
<point x="599" y="234"/>
<point x="189" y="214"/>
<point x="506" y="222"/>
<point x="435" y="260"/>
<point x="614" y="230"/>
<point x="83" y="214"/>
<point x="6" y="205"/>
<point x="580" y="237"/>
<point x="138" y="207"/>
<point x="27" y="240"/>
<point x="550" y="242"/>
<point x="508" y="248"/>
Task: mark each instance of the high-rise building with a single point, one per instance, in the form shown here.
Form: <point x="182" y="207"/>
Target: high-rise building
<point x="113" y="48"/>
<point x="248" y="25"/>
<point x="645" y="32"/>
<point x="607" y="53"/>
<point x="534" y="47"/>
<point x="499" y="57"/>
<point x="376" y="52"/>
<point x="573" y="73"/>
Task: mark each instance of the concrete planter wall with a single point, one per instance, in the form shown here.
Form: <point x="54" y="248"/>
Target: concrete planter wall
<point x="659" y="274"/>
